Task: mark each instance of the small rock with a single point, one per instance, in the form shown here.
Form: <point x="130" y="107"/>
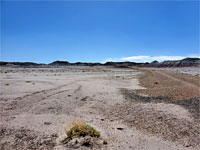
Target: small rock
<point x="83" y="99"/>
<point x="47" y="123"/>
<point x="119" y="128"/>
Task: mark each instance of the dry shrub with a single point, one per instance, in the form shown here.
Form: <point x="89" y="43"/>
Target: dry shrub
<point x="81" y="129"/>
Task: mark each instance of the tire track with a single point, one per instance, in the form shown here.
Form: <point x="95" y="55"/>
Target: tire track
<point x="43" y="91"/>
<point x="25" y="103"/>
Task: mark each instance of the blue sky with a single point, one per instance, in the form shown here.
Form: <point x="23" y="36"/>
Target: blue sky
<point x="99" y="31"/>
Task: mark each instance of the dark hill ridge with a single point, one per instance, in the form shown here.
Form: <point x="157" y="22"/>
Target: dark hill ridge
<point x="59" y="63"/>
<point x="125" y="64"/>
<point x="23" y="64"/>
<point x="187" y="62"/>
<point x="66" y="63"/>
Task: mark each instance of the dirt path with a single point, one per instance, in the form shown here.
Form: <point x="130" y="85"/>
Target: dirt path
<point x="177" y="79"/>
<point x="169" y="85"/>
<point x="36" y="103"/>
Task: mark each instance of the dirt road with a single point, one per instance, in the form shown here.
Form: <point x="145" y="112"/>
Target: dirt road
<point x="166" y="74"/>
<point x="35" y="104"/>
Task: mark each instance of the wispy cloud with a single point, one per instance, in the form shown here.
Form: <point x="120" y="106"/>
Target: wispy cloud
<point x="135" y="58"/>
<point x="161" y="58"/>
<point x="150" y="58"/>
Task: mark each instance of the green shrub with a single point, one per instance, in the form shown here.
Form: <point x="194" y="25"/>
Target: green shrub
<point x="81" y="129"/>
<point x="105" y="142"/>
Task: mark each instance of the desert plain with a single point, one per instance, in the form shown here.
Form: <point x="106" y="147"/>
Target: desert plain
<point x="132" y="108"/>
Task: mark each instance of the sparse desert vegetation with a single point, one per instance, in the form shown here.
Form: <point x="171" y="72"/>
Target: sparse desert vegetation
<point x="79" y="129"/>
<point x="81" y="134"/>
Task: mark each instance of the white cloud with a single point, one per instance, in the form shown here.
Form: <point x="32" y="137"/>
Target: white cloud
<point x="135" y="58"/>
<point x="161" y="58"/>
<point x="150" y="58"/>
<point x="111" y="59"/>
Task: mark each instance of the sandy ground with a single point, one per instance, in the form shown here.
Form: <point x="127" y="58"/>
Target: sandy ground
<point x="35" y="104"/>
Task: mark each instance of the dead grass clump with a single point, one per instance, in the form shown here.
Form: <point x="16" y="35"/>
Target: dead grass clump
<point x="81" y="129"/>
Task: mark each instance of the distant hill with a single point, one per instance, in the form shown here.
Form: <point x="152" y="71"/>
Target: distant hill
<point x="59" y="63"/>
<point x="66" y="63"/>
<point x="23" y="64"/>
<point x="124" y="64"/>
<point x="187" y="62"/>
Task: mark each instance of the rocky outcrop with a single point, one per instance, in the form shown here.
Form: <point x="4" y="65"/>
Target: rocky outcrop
<point x="187" y="62"/>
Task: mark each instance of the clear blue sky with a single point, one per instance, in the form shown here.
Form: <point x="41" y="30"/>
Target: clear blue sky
<point x="98" y="31"/>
